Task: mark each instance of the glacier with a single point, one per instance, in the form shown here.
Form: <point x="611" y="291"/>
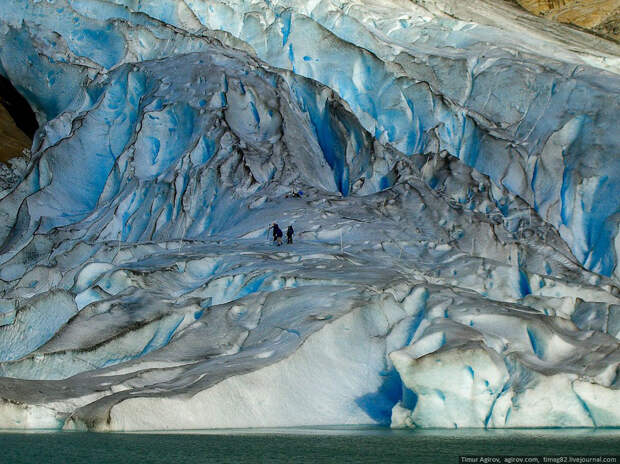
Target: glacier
<point x="451" y="171"/>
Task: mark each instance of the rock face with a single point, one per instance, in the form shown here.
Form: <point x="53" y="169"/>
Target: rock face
<point x="455" y="204"/>
<point x="14" y="141"/>
<point x="17" y="122"/>
<point x="14" y="151"/>
<point x="602" y="16"/>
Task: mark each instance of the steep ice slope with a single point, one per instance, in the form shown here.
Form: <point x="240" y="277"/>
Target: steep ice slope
<point x="525" y="111"/>
<point x="138" y="287"/>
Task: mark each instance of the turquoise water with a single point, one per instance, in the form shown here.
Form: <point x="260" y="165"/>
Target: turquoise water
<point x="370" y="445"/>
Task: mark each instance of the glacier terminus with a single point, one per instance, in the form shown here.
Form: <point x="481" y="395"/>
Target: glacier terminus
<point x="451" y="170"/>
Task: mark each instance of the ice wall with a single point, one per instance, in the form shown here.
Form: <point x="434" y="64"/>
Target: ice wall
<point x="453" y="185"/>
<point x="534" y="115"/>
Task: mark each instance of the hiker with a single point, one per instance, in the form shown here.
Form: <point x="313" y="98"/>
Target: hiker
<point x="277" y="234"/>
<point x="289" y="235"/>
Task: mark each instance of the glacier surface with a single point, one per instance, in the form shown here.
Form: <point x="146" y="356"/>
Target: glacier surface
<point x="452" y="173"/>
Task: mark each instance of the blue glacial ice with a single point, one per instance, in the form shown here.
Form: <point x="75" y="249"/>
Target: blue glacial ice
<point x="457" y="230"/>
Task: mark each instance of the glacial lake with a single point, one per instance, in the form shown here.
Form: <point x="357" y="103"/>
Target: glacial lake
<point x="301" y="445"/>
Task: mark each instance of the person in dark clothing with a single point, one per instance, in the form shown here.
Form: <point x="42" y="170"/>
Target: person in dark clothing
<point x="289" y="235"/>
<point x="279" y="237"/>
<point x="277" y="234"/>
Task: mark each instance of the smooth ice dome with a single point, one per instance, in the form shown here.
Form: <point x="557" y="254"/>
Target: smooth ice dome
<point x="451" y="172"/>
